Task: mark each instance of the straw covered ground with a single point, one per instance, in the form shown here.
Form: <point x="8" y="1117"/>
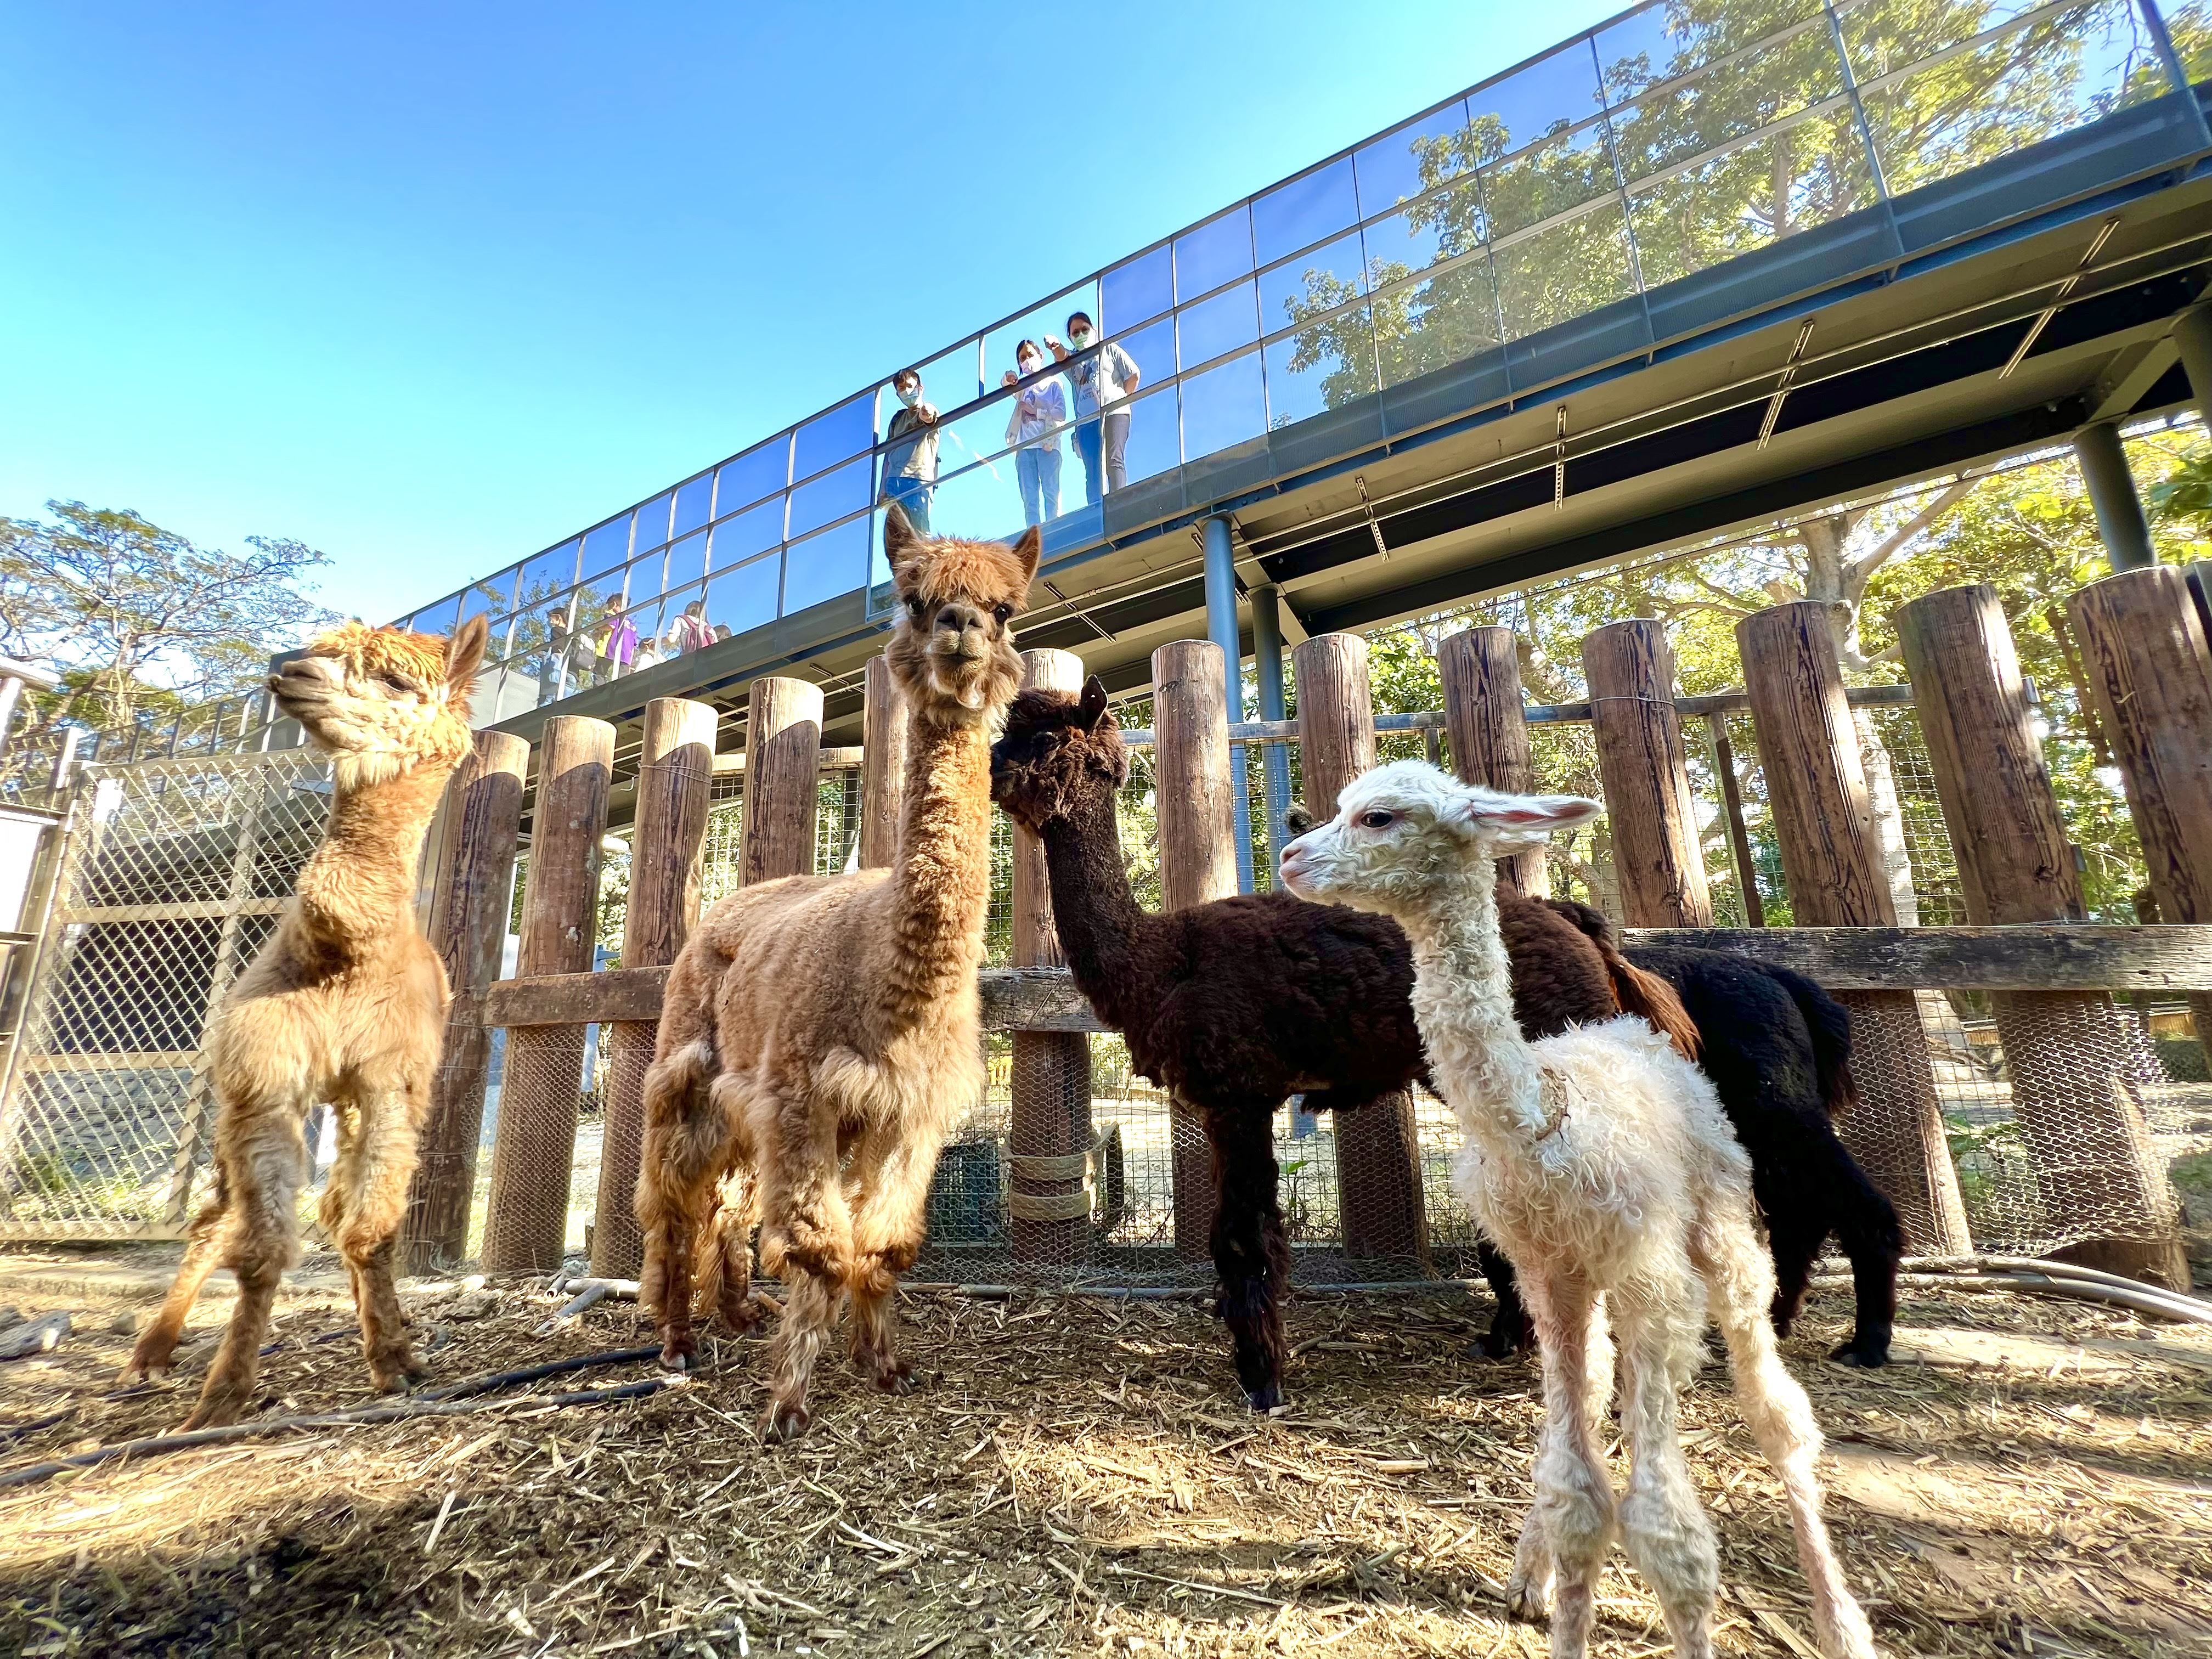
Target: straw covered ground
<point x="1077" y="1476"/>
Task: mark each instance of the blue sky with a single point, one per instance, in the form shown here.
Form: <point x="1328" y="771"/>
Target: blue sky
<point x="428" y="287"/>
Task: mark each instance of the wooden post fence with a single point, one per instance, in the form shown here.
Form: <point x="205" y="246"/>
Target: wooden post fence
<point x="1481" y="673"/>
<point x="1816" y="782"/>
<point x="474" y="885"/>
<point x="1649" y="810"/>
<point x="1198" y="862"/>
<point x="883" y="765"/>
<point x="2085" y="1134"/>
<point x="1378" y="1151"/>
<point x="783" y="738"/>
<point x="534" y="1145"/>
<point x="1049" y="1134"/>
<point x="675" y="789"/>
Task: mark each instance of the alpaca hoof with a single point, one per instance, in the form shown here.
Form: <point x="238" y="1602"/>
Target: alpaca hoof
<point x="214" y="1412"/>
<point x="1868" y="1356"/>
<point x="896" y="1379"/>
<point x="676" y="1360"/>
<point x="1497" y="1344"/>
<point x="1526" y="1603"/>
<point x="1266" y="1398"/>
<point x="782" y="1423"/>
<point x="135" y="1373"/>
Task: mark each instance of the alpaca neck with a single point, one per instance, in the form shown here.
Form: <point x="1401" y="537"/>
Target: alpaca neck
<point x="1093" y="910"/>
<point x="1463" y="1004"/>
<point x="941" y="884"/>
<point x="357" y="887"/>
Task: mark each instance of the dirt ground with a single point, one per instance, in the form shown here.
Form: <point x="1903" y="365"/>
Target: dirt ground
<point x="1080" y="1477"/>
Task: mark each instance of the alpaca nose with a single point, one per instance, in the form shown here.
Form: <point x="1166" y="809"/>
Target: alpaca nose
<point x="959" y="618"/>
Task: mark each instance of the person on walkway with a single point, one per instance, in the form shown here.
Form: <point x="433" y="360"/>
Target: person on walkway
<point x="911" y="452"/>
<point x="1102" y="380"/>
<point x="689" y="632"/>
<point x="1033" y="425"/>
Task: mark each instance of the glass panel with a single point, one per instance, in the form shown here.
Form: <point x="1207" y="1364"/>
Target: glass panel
<point x="832" y="495"/>
<point x="607" y="546"/>
<point x="651" y="524"/>
<point x="490" y="597"/>
<point x="600" y="595"/>
<point x="1212" y="327"/>
<point x="1881" y="35"/>
<point x="1728" y="206"/>
<point x="1223" y="406"/>
<point x="1139" y="291"/>
<point x="2189" y="22"/>
<point x="1664" y="41"/>
<point x="1531" y="103"/>
<point x="976" y="435"/>
<point x="2054" y="75"/>
<point x="1150" y="442"/>
<point x="1326" y="365"/>
<point x="745" y="598"/>
<point x="545" y="575"/>
<point x="684" y="626"/>
<point x="645" y="576"/>
<point x="1153" y="351"/>
<point x="439" y="619"/>
<point x="687" y="559"/>
<point x="1302" y="212"/>
<point x="1406" y="241"/>
<point x="1218" y="252"/>
<point x="1757" y="90"/>
<point x="1418" y="157"/>
<point x="625" y="637"/>
<point x="695" y="503"/>
<point x="753" y="530"/>
<point x="982" y="502"/>
<point x="1040" y="323"/>
<point x="539" y="628"/>
<point x="755" y="473"/>
<point x="831" y="437"/>
<point x="949" y="381"/>
<point x="1320" y="281"/>
<point x="823" y="566"/>
<point x="1426" y="325"/>
<point x="1563" y="272"/>
<point x="1564" y="172"/>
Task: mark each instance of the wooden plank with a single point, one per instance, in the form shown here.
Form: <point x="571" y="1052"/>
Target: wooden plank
<point x="1642" y="766"/>
<point x="194" y="910"/>
<point x="1481" y="673"/>
<point x="619" y="994"/>
<point x="783" y="732"/>
<point x="2056" y="957"/>
<point x="151" y="1059"/>
<point x="883" y="764"/>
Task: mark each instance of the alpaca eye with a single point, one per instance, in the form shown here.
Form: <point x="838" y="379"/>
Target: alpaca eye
<point x="1378" y="820"/>
<point x="913" y="607"/>
<point x="1002" y="611"/>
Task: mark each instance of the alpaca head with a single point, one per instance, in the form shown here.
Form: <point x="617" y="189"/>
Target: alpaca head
<point x="1056" y="752"/>
<point x="1406" y="833"/>
<point x="381" y="702"/>
<point x="952" y="648"/>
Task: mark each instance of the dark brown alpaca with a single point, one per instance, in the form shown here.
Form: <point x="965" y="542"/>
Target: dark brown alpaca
<point x="1236" y="1004"/>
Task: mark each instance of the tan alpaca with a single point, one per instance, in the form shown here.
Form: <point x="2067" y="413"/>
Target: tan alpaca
<point x="822" y="1019"/>
<point x="346" y="1003"/>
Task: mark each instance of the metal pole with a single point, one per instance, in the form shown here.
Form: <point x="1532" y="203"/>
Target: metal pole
<point x="1221" y="628"/>
<point x="2192" y="334"/>
<point x="2120" y="521"/>
<point x="1268" y="666"/>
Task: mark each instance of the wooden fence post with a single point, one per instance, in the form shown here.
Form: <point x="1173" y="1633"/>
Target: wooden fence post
<point x="783" y="744"/>
<point x="1378" y="1151"/>
<point x="469" y="905"/>
<point x="1198" y="862"/>
<point x="534" y="1145"/>
<point x="2084" y="1130"/>
<point x="1816" y="781"/>
<point x="1655" y="855"/>
<point x="675" y="787"/>
<point x="883" y="765"/>
<point x="1489" y="736"/>
<point x="2150" y="676"/>
<point x="1048" y="1137"/>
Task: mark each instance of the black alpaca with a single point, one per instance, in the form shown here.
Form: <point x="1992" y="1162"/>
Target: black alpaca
<point x="1237" y="1004"/>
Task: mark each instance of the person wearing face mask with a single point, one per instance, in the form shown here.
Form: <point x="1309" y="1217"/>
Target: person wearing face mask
<point x="1034" y="424"/>
<point x="911" y="452"/>
<point x="1102" y="380"/>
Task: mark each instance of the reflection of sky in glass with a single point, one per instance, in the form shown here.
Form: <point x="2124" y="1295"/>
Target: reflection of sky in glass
<point x="1152" y="349"/>
<point x="1292" y="395"/>
<point x="1551" y="91"/>
<point x="829" y="438"/>
<point x="823" y="566"/>
<point x="549" y="573"/>
<point x="694" y="502"/>
<point x="652" y="523"/>
<point x="1397" y="241"/>
<point x="1726" y="102"/>
<point x="1284" y="287"/>
<point x="1152" y="441"/>
<point x="753" y="530"/>
<point x="1390" y="170"/>
<point x="752" y="475"/>
<point x="1223" y="406"/>
<point x="687" y="559"/>
<point x="1302" y="212"/>
<point x="607" y="546"/>
<point x="1138" y="291"/>
<point x="747" y="597"/>
<point x="1218" y="252"/>
<point x="439" y="618"/>
<point x="831" y="495"/>
<point x="601" y="594"/>
<point x="1218" y="325"/>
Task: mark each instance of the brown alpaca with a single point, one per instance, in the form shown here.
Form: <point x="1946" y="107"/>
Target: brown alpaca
<point x="346" y="1003"/>
<point x="826" y="1018"/>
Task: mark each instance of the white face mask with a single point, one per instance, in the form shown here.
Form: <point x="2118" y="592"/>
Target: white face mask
<point x="909" y="395"/>
<point x="1081" y="336"/>
<point x="1030" y="365"/>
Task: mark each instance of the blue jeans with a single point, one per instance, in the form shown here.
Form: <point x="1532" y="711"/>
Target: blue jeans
<point x="914" y="496"/>
<point x="1038" y="471"/>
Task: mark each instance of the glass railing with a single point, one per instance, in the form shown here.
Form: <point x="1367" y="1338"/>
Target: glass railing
<point x="1592" y="203"/>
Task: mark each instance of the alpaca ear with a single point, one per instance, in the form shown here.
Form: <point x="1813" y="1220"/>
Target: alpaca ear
<point x="902" y="541"/>
<point x="1296" y="819"/>
<point x="1513" y="821"/>
<point x="1030" y="551"/>
<point x="1093" y="709"/>
<point x="465" y="653"/>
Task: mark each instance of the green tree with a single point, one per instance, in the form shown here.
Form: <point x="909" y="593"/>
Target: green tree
<point x="138" y="619"/>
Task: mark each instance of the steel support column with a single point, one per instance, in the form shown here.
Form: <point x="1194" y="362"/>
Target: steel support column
<point x="2120" y="522"/>
<point x="1220" y="542"/>
<point x="1267" y="666"/>
<point x="2192" y="336"/>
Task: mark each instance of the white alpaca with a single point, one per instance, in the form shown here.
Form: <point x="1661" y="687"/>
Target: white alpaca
<point x="1601" y="1162"/>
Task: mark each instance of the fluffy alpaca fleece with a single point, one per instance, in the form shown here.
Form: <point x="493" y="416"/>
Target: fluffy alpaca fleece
<point x="1601" y="1161"/>
<point x="1236" y="1004"/>
<point x="826" y="1020"/>
<point x="346" y="1003"/>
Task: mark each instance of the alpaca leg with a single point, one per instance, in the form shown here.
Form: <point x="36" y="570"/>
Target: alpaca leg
<point x="730" y="1274"/>
<point x="1867" y="1227"/>
<point x="210" y="1237"/>
<point x="806" y="1238"/>
<point x="1250" y="1254"/>
<point x="363" y="1208"/>
<point x="1574" y="1499"/>
<point x="1795" y="1242"/>
<point x="890" y="1217"/>
<point x="265" y="1164"/>
<point x="1532" y="1557"/>
<point x="1509" y="1326"/>
<point x="1663" y="1526"/>
<point x="1727" y="1252"/>
<point x="810" y="1308"/>
<point x="687" y="1145"/>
